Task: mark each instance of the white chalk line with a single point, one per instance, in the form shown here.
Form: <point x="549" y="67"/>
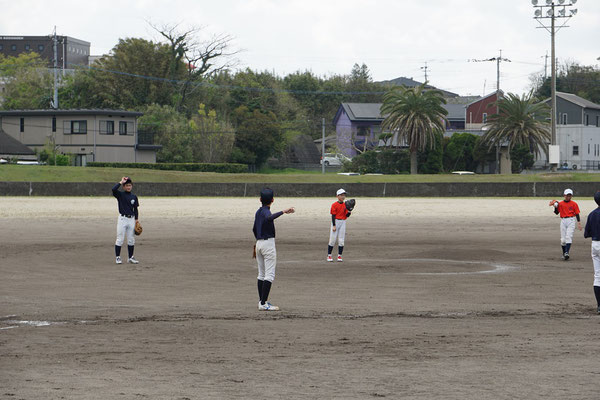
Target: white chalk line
<point x="496" y="268"/>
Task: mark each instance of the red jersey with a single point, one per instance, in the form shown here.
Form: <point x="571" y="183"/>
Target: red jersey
<point x="568" y="209"/>
<point x="339" y="210"/>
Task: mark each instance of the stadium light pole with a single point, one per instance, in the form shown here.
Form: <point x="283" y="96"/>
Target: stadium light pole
<point x="553" y="10"/>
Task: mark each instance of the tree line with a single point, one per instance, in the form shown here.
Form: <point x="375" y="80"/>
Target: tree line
<point x="200" y="110"/>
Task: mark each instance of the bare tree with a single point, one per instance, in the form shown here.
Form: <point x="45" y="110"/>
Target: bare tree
<point x="199" y="58"/>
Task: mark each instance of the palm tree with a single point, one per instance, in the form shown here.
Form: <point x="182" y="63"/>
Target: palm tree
<point x="519" y="121"/>
<point x="414" y="116"/>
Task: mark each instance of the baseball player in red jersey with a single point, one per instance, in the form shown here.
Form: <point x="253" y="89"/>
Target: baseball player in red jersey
<point x="569" y="215"/>
<point x="339" y="214"/>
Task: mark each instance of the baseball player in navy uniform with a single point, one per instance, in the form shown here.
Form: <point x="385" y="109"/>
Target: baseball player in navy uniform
<point x="265" y="252"/>
<point x="592" y="230"/>
<point x="128" y="216"/>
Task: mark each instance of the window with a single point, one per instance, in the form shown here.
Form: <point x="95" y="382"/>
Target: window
<point x="575" y="150"/>
<point x="22" y="125"/>
<point x="13" y="47"/>
<point x="107" y="127"/>
<point x="40" y="47"/>
<point x="78" y="127"/>
<point x="587" y="119"/>
<point x="484" y="118"/>
<point x="53" y="124"/>
<point x="564" y="119"/>
<point x="125" y="128"/>
<point x="588" y="148"/>
<point x="597" y="121"/>
<point x="1" y="47"/>
<point x="27" y="47"/>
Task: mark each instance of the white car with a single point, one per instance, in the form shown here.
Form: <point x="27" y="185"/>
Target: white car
<point x="333" y="159"/>
<point x="463" y="173"/>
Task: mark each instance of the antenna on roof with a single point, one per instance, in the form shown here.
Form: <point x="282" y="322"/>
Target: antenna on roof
<point x="425" y="68"/>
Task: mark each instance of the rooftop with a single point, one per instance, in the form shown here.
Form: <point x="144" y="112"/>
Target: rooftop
<point x="17" y="113"/>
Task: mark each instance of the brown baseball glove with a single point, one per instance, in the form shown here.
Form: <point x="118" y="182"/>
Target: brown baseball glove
<point x="138" y="228"/>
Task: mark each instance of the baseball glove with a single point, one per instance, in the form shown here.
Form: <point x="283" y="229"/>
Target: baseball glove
<point x="350" y="204"/>
<point x="138" y="228"/>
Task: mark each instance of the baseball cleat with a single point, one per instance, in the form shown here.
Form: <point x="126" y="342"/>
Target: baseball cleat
<point x="267" y="307"/>
<point x="329" y="258"/>
<point x="340" y="259"/>
<point x="566" y="256"/>
<point x="598" y="310"/>
<point x="132" y="260"/>
<point x="119" y="261"/>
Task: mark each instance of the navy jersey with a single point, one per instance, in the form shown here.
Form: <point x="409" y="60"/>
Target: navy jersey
<point x="592" y="227"/>
<point x="264" y="227"/>
<point x="128" y="202"/>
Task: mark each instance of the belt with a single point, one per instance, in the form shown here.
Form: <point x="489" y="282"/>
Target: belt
<point x="127" y="216"/>
<point x="568" y="217"/>
<point x="265" y="238"/>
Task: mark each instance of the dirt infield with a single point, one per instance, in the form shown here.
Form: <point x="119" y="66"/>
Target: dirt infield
<point x="436" y="298"/>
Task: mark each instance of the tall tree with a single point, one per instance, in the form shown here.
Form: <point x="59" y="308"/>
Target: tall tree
<point x="519" y="121"/>
<point x="28" y="82"/>
<point x="414" y="116"/>
<point x="197" y="59"/>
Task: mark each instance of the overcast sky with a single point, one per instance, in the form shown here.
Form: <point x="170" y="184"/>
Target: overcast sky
<point x="394" y="38"/>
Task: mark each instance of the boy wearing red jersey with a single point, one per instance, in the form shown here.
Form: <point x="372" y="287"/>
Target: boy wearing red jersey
<point x="339" y="214"/>
<point x="569" y="214"/>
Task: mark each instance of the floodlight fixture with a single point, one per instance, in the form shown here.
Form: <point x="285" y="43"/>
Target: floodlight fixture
<point x="550" y="12"/>
<point x="538" y="13"/>
<point x="534" y="2"/>
<point x="561" y="1"/>
<point x="573" y="12"/>
<point x="573" y="2"/>
<point x="561" y="12"/>
<point x="549" y="2"/>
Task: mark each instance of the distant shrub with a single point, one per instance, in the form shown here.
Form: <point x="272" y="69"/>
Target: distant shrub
<point x="229" y="168"/>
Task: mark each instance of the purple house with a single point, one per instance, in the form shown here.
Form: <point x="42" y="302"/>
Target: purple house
<point x="357" y="127"/>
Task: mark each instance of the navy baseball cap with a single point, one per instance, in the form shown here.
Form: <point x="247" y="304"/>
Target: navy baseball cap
<point x="266" y="195"/>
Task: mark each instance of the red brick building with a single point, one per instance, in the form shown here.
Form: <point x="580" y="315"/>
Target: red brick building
<point x="477" y="112"/>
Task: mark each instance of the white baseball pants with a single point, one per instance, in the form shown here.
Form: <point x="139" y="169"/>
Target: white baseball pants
<point x="596" y="260"/>
<point x="266" y="257"/>
<point x="339" y="234"/>
<point x="567" y="228"/>
<point x="125" y="226"/>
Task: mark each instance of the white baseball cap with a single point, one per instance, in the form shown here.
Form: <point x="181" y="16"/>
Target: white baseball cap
<point x="340" y="191"/>
<point x="568" y="191"/>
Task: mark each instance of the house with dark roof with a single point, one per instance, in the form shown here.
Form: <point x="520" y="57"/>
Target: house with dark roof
<point x="12" y="148"/>
<point x="90" y="135"/>
<point x="358" y="125"/>
<point x="577" y="132"/>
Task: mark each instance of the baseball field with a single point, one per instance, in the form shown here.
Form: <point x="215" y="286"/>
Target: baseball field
<point x="436" y="299"/>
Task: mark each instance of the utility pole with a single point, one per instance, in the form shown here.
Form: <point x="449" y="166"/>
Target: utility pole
<point x="545" y="66"/>
<point x="498" y="60"/>
<point x="55" y="45"/>
<point x="552" y="10"/>
<point x="323" y="147"/>
<point x="425" y="68"/>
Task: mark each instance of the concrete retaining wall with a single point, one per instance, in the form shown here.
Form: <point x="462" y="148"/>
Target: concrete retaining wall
<point x="529" y="189"/>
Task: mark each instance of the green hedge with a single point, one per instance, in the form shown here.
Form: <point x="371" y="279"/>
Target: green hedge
<point x="193" y="167"/>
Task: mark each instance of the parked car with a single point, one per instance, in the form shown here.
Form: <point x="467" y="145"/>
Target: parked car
<point x="333" y="159"/>
<point x="463" y="173"/>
